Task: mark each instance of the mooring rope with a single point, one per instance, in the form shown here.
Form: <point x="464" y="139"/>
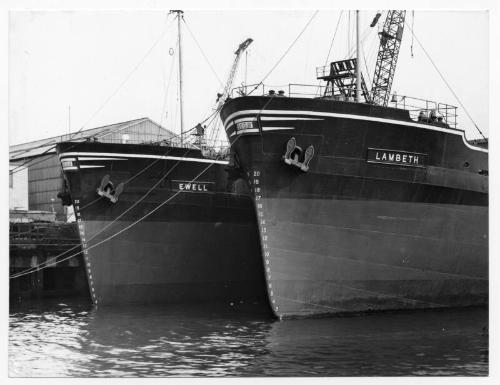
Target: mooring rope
<point x="135" y="204"/>
<point x="53" y="260"/>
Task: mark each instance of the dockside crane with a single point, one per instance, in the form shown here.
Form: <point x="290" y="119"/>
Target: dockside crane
<point x="221" y="97"/>
<point x="390" y="42"/>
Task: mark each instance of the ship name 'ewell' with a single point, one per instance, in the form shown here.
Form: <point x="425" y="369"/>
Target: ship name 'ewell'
<point x="180" y="185"/>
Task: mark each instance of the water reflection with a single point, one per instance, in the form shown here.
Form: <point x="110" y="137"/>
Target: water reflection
<point x="78" y="340"/>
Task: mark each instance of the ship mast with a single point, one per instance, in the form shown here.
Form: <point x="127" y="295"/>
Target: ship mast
<point x="181" y="104"/>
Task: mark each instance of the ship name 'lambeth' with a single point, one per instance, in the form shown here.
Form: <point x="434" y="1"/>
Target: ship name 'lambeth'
<point x="400" y="158"/>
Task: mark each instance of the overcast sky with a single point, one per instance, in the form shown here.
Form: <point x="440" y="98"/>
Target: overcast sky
<point x="80" y="58"/>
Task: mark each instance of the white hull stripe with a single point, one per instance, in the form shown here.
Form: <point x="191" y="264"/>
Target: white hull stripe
<point x="277" y="128"/>
<point x="248" y="119"/>
<point x="255" y="130"/>
<point x="98" y="158"/>
<point x="246" y="131"/>
<point x="267" y="118"/>
<point x="92" y="166"/>
<point x="287" y="118"/>
<point x="146" y="156"/>
<point x="70" y="168"/>
<point x="355" y="117"/>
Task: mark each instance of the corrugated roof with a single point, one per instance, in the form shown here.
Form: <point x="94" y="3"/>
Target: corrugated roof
<point x="45" y="146"/>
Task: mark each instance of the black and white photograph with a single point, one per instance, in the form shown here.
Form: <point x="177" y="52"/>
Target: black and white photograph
<point x="238" y="189"/>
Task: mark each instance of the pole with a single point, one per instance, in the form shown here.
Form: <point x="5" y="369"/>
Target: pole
<point x="358" y="66"/>
<point x="179" y="15"/>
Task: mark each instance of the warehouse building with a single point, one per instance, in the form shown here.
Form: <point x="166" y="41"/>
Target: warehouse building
<point x="36" y="177"/>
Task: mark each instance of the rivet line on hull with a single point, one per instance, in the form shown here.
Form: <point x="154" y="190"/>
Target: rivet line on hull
<point x="81" y="229"/>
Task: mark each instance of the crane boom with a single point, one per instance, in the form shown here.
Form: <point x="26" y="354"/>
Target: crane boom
<point x="221" y="98"/>
<point x="390" y="42"/>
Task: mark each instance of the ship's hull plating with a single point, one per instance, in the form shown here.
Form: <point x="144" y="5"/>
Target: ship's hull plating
<point x="158" y="244"/>
<point x="349" y="235"/>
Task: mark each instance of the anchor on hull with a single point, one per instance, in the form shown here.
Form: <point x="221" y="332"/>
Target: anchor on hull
<point x="106" y="189"/>
<point x="293" y="155"/>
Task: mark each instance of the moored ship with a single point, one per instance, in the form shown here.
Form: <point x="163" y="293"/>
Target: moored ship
<point x="162" y="224"/>
<point x="362" y="206"/>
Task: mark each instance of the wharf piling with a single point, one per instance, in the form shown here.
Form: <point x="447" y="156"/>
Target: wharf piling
<point x="41" y="249"/>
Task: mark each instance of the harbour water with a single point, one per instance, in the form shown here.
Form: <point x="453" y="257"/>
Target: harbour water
<point x="59" y="339"/>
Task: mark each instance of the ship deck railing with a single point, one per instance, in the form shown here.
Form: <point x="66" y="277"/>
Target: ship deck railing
<point x="211" y="148"/>
<point x="420" y="110"/>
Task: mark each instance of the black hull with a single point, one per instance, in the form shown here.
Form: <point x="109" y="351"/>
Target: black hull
<point x="352" y="233"/>
<point x="160" y="244"/>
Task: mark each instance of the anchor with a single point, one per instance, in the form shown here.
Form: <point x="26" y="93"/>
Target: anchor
<point x="293" y="155"/>
<point x="107" y="189"/>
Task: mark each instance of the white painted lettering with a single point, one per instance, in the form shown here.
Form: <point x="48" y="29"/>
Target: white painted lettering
<point x="415" y="159"/>
<point x="404" y="158"/>
<point x="384" y="156"/>
<point x="398" y="158"/>
<point x="391" y="157"/>
<point x="377" y="156"/>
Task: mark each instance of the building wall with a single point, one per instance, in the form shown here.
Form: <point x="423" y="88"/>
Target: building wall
<point x="45" y="181"/>
<point x="37" y="186"/>
<point x="18" y="188"/>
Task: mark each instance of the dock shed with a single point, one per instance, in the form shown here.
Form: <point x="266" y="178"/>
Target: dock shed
<point x="35" y="174"/>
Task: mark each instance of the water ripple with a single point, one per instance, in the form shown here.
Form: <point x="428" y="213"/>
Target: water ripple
<point x="74" y="339"/>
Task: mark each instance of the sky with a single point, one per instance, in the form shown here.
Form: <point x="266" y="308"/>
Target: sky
<point x="78" y="69"/>
<point x="81" y="56"/>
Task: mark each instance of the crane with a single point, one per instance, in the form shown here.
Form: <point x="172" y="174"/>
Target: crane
<point x="221" y="97"/>
<point x="390" y="42"/>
